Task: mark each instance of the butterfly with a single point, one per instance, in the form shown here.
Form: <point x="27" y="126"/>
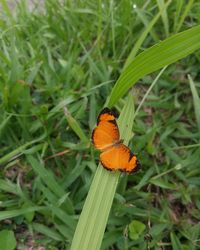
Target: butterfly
<point x="106" y="138"/>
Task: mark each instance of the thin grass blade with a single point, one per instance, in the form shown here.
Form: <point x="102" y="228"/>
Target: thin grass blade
<point x="75" y="126"/>
<point x="144" y="34"/>
<point x="13" y="213"/>
<point x="165" y="20"/>
<point x="184" y="15"/>
<point x="49" y="232"/>
<point x="196" y="101"/>
<point x="19" y="150"/>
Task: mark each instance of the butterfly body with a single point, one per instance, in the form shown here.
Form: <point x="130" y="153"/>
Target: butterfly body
<point x="106" y="138"/>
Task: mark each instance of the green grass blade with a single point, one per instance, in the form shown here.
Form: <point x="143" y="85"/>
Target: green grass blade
<point x="145" y="21"/>
<point x="93" y="219"/>
<point x="6" y="9"/>
<point x="46" y="176"/>
<point x="141" y="39"/>
<point x="179" y="5"/>
<point x="149" y="90"/>
<point x="75" y="126"/>
<point x="165" y="20"/>
<point x="13" y="213"/>
<point x="3" y="124"/>
<point x="49" y="180"/>
<point x="19" y="150"/>
<point x="63" y="216"/>
<point x="49" y="232"/>
<point x="196" y="101"/>
<point x="184" y="15"/>
<point x="8" y="186"/>
<point x="176" y="245"/>
<point x="164" y="53"/>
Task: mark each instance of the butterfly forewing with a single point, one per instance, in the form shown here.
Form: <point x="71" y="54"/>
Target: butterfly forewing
<point x="106" y="133"/>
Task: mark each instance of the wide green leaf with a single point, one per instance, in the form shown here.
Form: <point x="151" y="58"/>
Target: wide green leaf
<point x="94" y="216"/>
<point x="7" y="240"/>
<point x="163" y="53"/>
<point x="135" y="229"/>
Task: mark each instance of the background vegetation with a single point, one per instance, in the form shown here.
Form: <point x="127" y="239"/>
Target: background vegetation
<point x="59" y="63"/>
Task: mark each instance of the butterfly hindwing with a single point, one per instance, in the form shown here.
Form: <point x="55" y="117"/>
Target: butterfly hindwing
<point x="119" y="157"/>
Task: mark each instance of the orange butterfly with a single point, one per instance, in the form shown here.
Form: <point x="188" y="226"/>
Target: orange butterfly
<point x="105" y="137"/>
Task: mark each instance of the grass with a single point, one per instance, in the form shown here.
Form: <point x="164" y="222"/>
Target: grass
<point x="58" y="68"/>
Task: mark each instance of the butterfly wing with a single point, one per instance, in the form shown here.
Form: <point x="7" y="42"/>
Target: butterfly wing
<point x="106" y="133"/>
<point x="119" y="157"/>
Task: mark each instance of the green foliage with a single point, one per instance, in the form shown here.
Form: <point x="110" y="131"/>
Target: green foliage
<point x="135" y="229"/>
<point x="59" y="65"/>
<point x="7" y="240"/>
